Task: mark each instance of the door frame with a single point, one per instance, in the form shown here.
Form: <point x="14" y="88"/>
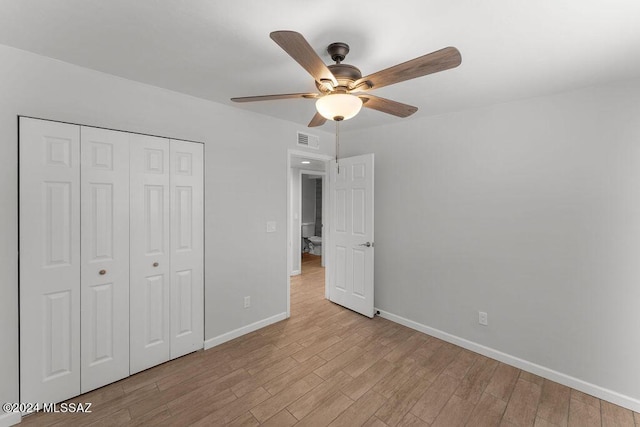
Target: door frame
<point x="325" y="209"/>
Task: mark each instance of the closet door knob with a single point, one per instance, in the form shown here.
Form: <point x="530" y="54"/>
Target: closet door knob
<point x="102" y="272"/>
<point x="155" y="264"/>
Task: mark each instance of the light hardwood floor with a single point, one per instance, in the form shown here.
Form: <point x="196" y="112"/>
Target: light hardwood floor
<point x="329" y="366"/>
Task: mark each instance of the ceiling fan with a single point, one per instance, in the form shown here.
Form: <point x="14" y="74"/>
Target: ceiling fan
<point x="342" y="89"/>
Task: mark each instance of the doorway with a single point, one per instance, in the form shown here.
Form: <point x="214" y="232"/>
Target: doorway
<point x="310" y="169"/>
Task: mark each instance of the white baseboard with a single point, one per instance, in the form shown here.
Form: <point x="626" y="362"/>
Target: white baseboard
<point x="296" y="273"/>
<point x="550" y="374"/>
<point x="10" y="419"/>
<point x="212" y="342"/>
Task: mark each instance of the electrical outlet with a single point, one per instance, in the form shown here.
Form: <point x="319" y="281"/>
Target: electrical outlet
<point x="271" y="226"/>
<point x="247" y="302"/>
<point x="483" y="318"/>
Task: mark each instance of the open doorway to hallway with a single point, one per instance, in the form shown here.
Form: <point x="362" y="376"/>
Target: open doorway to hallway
<point x="307" y="220"/>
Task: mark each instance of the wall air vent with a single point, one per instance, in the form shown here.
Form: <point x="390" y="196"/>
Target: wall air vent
<point x="309" y="141"/>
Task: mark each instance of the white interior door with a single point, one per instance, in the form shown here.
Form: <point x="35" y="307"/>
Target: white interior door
<point x="104" y="234"/>
<point x="49" y="261"/>
<point x="351" y="238"/>
<point x="187" y="248"/>
<point x="149" y="247"/>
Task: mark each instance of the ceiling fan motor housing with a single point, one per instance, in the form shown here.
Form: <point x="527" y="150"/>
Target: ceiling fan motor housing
<point x="345" y="74"/>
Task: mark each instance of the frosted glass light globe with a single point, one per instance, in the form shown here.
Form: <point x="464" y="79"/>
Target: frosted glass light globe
<point x="338" y="106"/>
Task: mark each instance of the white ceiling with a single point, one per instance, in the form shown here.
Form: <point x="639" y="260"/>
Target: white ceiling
<point x="511" y="49"/>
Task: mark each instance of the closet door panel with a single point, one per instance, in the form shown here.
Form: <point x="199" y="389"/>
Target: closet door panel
<point x="105" y="257"/>
<point x="150" y="252"/>
<point x="187" y="248"/>
<point x="49" y="260"/>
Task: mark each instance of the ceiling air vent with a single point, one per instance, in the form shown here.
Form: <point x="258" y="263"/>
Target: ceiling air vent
<point x="309" y="141"/>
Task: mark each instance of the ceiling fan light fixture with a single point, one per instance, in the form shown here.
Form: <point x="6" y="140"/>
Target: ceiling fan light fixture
<point x="338" y="106"/>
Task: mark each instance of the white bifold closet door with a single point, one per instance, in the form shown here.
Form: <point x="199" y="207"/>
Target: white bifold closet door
<point x="111" y="256"/>
<point x="49" y="261"/>
<point x="150" y="252"/>
<point x="187" y="248"/>
<point x="167" y="245"/>
<point x="104" y="219"/>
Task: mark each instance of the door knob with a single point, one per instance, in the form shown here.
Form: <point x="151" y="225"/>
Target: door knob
<point x="102" y="272"/>
<point x="368" y="244"/>
<point x="155" y="264"/>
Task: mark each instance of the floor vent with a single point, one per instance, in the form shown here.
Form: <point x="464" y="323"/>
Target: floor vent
<point x="309" y="141"/>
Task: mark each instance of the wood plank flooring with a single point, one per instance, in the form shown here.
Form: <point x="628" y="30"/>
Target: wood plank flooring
<point x="329" y="366"/>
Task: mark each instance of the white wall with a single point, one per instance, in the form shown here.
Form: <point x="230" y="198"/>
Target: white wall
<point x="529" y="211"/>
<point x="241" y="149"/>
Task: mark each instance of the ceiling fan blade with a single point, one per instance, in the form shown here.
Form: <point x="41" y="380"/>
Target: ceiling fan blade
<point x="274" y="97"/>
<point x="317" y="120"/>
<point x="299" y="49"/>
<point x="433" y="62"/>
<point x="388" y="106"/>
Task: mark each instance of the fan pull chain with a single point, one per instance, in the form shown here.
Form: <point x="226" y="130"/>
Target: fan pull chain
<point x="337" y="144"/>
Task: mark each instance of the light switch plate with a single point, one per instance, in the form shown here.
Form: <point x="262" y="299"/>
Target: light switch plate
<point x="271" y="226"/>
